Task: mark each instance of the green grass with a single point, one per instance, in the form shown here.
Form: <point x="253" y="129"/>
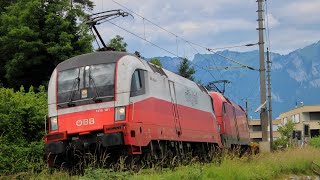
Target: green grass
<point x="263" y="166"/>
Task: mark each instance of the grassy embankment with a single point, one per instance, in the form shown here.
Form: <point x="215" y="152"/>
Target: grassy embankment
<point x="263" y="166"/>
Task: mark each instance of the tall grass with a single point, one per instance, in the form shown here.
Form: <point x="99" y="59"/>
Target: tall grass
<point x="262" y="166"/>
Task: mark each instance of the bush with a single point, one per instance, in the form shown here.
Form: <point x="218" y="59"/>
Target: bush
<point x="18" y="158"/>
<point x="21" y="129"/>
<point x="280" y="142"/>
<point x="315" y="142"/>
<point x="22" y="115"/>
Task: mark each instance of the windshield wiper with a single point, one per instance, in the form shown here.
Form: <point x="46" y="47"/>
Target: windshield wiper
<point x="76" y="82"/>
<point x="96" y="98"/>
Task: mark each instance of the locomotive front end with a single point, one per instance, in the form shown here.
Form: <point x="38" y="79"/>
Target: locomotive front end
<point x="81" y="102"/>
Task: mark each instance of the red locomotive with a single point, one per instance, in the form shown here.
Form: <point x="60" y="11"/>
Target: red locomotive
<point x="232" y="122"/>
<point x="121" y="103"/>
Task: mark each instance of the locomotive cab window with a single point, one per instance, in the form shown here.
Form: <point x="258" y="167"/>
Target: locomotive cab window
<point x="86" y="85"/>
<point x="137" y="83"/>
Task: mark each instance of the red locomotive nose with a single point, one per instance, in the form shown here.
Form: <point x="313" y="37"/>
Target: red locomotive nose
<point x="86" y="121"/>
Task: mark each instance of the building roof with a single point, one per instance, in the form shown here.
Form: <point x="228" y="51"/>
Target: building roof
<point x="300" y="109"/>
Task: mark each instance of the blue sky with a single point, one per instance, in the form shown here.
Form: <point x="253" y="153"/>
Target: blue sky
<point x="212" y="23"/>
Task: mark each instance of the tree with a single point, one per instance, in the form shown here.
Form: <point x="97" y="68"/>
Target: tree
<point x="36" y="35"/>
<point x="286" y="130"/>
<point x="185" y="70"/>
<point x="117" y="44"/>
<point x="156" y="62"/>
<point x="286" y="133"/>
<point x="5" y="3"/>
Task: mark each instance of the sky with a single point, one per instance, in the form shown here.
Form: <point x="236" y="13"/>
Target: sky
<point x="293" y="24"/>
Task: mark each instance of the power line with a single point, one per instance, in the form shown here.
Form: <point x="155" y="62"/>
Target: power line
<point x="170" y="52"/>
<point x="205" y="58"/>
<point x="187" y="41"/>
<point x="144" y="39"/>
<point x="158" y="25"/>
<point x="230" y="47"/>
<point x="234" y="61"/>
<point x="267" y="25"/>
<point x="207" y="69"/>
<point x="224" y="67"/>
<point x="200" y="54"/>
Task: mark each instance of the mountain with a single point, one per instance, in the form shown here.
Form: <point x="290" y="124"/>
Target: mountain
<point x="295" y="77"/>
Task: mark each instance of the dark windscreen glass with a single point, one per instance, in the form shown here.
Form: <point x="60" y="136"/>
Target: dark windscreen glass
<point x="67" y="78"/>
<point x="97" y="81"/>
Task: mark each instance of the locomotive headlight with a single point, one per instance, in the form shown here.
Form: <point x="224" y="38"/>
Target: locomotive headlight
<point x="120" y="113"/>
<point x="54" y="123"/>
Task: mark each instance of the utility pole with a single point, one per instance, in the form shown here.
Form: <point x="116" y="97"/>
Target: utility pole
<point x="269" y="97"/>
<point x="247" y="106"/>
<point x="263" y="113"/>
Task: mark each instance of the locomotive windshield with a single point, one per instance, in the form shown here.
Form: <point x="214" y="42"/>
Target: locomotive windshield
<point x="88" y="84"/>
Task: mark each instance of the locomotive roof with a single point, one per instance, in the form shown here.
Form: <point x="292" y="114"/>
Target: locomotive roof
<point x="225" y="99"/>
<point x="91" y="58"/>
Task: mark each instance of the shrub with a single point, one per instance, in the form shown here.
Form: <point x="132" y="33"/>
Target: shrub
<point x="21" y="129"/>
<point x="280" y="142"/>
<point x="315" y="142"/>
<point x="17" y="158"/>
<point x="22" y="115"/>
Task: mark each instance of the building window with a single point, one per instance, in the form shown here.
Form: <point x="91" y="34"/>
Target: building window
<point x="285" y="120"/>
<point x="256" y="128"/>
<point x="296" y="135"/>
<point x="306" y="129"/>
<point x="314" y="116"/>
<point x="295" y="118"/>
<point x="275" y="127"/>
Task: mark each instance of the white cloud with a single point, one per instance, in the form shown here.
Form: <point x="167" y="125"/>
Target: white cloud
<point x="301" y="12"/>
<point x="315" y="83"/>
<point x="286" y="39"/>
<point x="273" y="22"/>
<point x="276" y="97"/>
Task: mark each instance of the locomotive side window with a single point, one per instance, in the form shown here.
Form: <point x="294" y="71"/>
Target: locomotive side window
<point x="137" y="83"/>
<point x="224" y="109"/>
<point x="211" y="99"/>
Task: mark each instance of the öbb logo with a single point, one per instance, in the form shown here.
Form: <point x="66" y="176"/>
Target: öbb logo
<point x="85" y="122"/>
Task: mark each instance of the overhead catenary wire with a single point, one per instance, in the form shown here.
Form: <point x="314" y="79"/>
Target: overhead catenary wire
<point x="206" y="69"/>
<point x="234" y="61"/>
<point x="143" y="39"/>
<point x="168" y="51"/>
<point x="211" y="50"/>
<point x="187" y="41"/>
<point x="267" y="25"/>
<point x="190" y="44"/>
<point x="230" y="47"/>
